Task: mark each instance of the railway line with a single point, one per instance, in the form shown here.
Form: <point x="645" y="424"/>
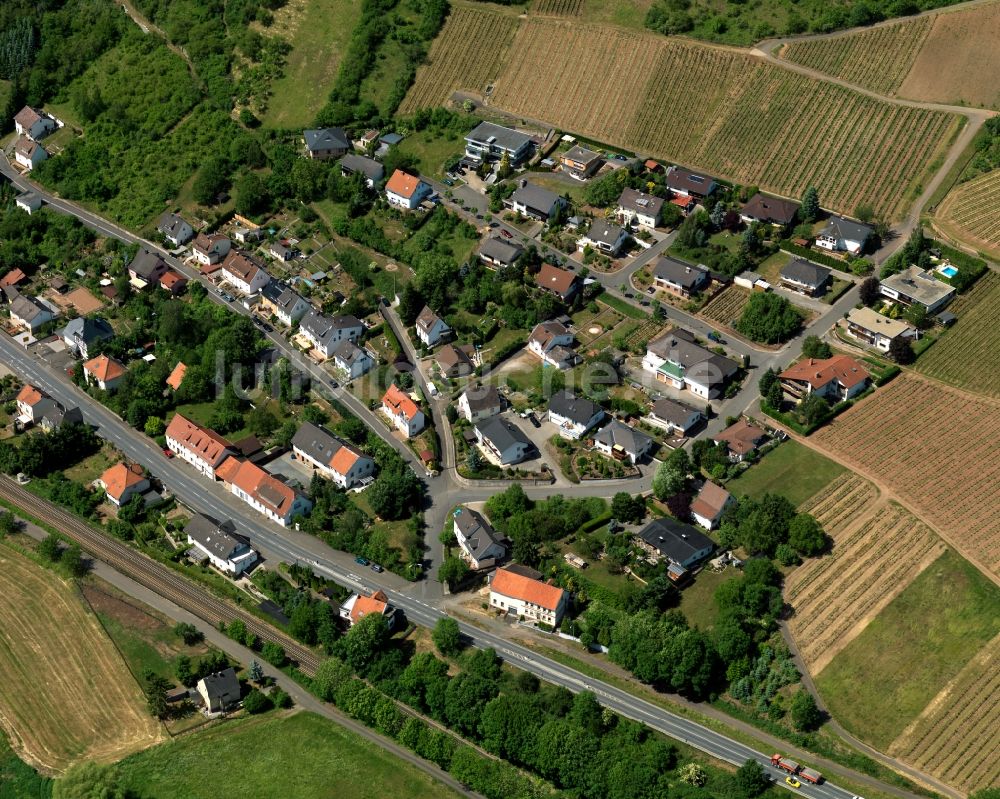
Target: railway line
<point x="155" y="576"/>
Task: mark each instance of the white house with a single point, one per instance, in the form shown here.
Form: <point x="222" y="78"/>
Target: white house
<point x="29" y="202"/>
<point x="220" y="691"/>
<point x="835" y="379"/>
<point x="30" y="403"/>
<point x="502" y="440"/>
<point x="28" y="154"/>
<point x="430" y="327"/>
<point x="673" y="416"/>
<point x="490" y="142"/>
<point x="479" y="544"/>
<point x="106" y="373"/>
<point x="677" y="360"/>
<point x="402" y="411"/>
<point x="331" y="457"/>
<point x="406" y="191"/>
<point x="519" y="592"/>
<point x="175" y="229"/>
<point x="605" y="237"/>
<point x="674" y="541"/>
<point x="917" y="286"/>
<point x="210" y="249"/>
<point x="638" y="208"/>
<point x="479" y="402"/>
<point x="844" y="235"/>
<point x="707" y="508"/>
<point x="531" y="200"/>
<point x="679" y="278"/>
<point x="359" y="164"/>
<point x="204" y="449"/>
<point x="122" y="482"/>
<point x="622" y="442"/>
<point x="573" y="415"/>
<point x="82" y="333"/>
<point x="244" y="273"/>
<point x="352" y="360"/>
<point x="875" y="330"/>
<point x="219" y="543"/>
<point x="31" y="313"/>
<point x="34" y="123"/>
<point x="325" y="333"/>
<point x="263" y="492"/>
<point x="553" y="343"/>
<point x="287" y="305"/>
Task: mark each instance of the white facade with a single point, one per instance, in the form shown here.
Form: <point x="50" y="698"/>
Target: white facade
<point x="238" y="561"/>
<point x="301" y="505"/>
<point x="573" y="429"/>
<point x="475" y="415"/>
<point x="360" y="363"/>
<point x="254" y="281"/>
<point x="361" y="467"/>
<point x="433" y="333"/>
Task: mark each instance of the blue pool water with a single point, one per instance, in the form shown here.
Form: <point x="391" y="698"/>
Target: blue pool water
<point x="948" y="271"/>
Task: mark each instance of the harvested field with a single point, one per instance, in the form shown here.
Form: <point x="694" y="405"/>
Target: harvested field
<point x="970" y="213"/>
<point x="718" y="109"/>
<point x="845" y="500"/>
<point x="727" y="307"/>
<point x="957" y="357"/>
<point x="68" y="695"/>
<point x="956" y="737"/>
<point x="836" y="596"/>
<point x="935" y="447"/>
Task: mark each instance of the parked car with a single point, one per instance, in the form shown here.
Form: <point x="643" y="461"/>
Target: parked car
<point x="377" y="569"/>
<point x="168" y="452"/>
<point x="226" y="296"/>
<point x="448" y="182"/>
<point x="534" y="420"/>
<point x="361" y="561"/>
<point x="713" y="336"/>
<point x="650" y="290"/>
<point x="506" y="234"/>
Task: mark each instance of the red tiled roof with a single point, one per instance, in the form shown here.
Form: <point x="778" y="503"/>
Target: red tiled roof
<point x="402" y="184"/>
<point x="170" y="279"/>
<point x="206" y="444"/>
<point x="741" y="437"/>
<point x="397" y="401"/>
<point x="30" y="395"/>
<point x="264" y="488"/>
<point x="104" y="368"/>
<point x="229" y="467"/>
<point x="120" y="477"/>
<point x="12" y="278"/>
<point x="517" y="586"/>
<point x="847" y="371"/>
<point x="555" y="279"/>
<point x="710" y="500"/>
<point x="343" y="460"/>
<point x="363" y="605"/>
<point x="177" y="376"/>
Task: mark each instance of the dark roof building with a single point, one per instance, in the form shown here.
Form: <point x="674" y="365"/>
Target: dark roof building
<point x="686" y="277"/>
<point x="684" y="181"/>
<point x="675" y="541"/>
<point x="326" y="142"/>
<point x="577" y="409"/>
<point x="805" y="276"/>
<point x="769" y="210"/>
<point x="498" y="252"/>
<point x="369" y="167"/>
<point x="220" y="691"/>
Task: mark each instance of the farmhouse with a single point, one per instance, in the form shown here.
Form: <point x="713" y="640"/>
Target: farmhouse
<point x="605" y="237"/>
<point x="502" y="440"/>
<point x="679" y="278"/>
<point x="28" y="154"/>
<point x="707" y="508"/>
<point x="321" y="450"/>
<point x="562" y="283"/>
<point x="805" y="277"/>
<point x="580" y="162"/>
<point x="220" y="544"/>
<point x="479" y="544"/>
<point x="263" y="492"/>
<point x="875" y="330"/>
<point x="455" y="361"/>
<point x="677" y="360"/>
<point x="326" y="143"/>
<point x="244" y="273"/>
<point x="358" y="606"/>
<point x="362" y="165"/>
<point x="352" y="360"/>
<point x="175" y="229"/>
<point x="552" y="342"/>
<point x="774" y="211"/>
<point x="489" y="142"/>
<point x="122" y="482"/>
<point x="532" y="200"/>
<point x="33" y="123"/>
<point x="325" y="333"/>
<point x="835" y="379"/>
<point x="638" y="208"/>
<point x="689" y="184"/>
<point x="430" y="327"/>
<point x="106" y="373"/>
<point x="220" y="691"/>
<point x="741" y="438"/>
<point x="406" y="191"/>
<point x="573" y="415"/>
<point x="498" y="253"/>
<point x="29" y="202"/>
<point x="285" y="304"/>
<point x="671" y="540"/>
<point x="518" y="591"/>
<point x="479" y="402"/>
<point x="915" y="285"/>
<point x="673" y="416"/>
<point x="622" y="442"/>
<point x="202" y="448"/>
<point x="210" y="249"/>
<point x="844" y="235"/>
<point x="30" y="313"/>
<point x="82" y="333"/>
<point x="402" y="411"/>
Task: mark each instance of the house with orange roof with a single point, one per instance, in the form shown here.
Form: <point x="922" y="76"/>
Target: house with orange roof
<point x="204" y="449"/>
<point x="176" y="377"/>
<point x="707" y="508"/>
<point x="173" y="282"/>
<point x="12" y="278"/>
<point x="264" y="492"/>
<point x="406" y="191"/>
<point x="562" y="283"/>
<point x="741" y="438"/>
<point x="402" y="411"/>
<point x="323" y="451"/>
<point x="106" y="373"/>
<point x="244" y="273"/>
<point x="358" y="606"/>
<point x="835" y="379"/>
<point x="121" y="482"/>
<point x="519" y="591"/>
<point x="30" y="403"/>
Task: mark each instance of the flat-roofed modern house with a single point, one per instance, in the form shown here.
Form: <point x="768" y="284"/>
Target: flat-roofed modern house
<point x="917" y="286"/>
<point x="877" y="331"/>
<point x="489" y="142"/>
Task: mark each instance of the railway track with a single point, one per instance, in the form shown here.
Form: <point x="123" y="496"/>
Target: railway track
<point x="155" y="576"/>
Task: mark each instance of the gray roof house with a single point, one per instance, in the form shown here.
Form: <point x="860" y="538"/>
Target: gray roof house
<point x="605" y="237"/>
<point x="622" y="442"/>
<point x="488" y="142"/>
<point x="915" y="285"/>
<point x="288" y="305"/>
<point x="372" y="170"/>
<point x="503" y="439"/>
<point x="175" y="229"/>
<point x="480" y="402"/>
<point x="677" y="359"/>
<point x="482" y="546"/>
<point x="497" y="252"/>
<point x="675" y="541"/>
<point x="220" y="543"/>
<point x="805" y="277"/>
<point x="532" y="200"/>
<point x="220" y="691"/>
<point x="769" y="210"/>
<point x="82" y="333"/>
<point x="673" y="416"/>
<point x="844" y="235"/>
<point x="639" y="207"/>
<point x="352" y="359"/>
<point x="680" y="278"/>
<point x="325" y="333"/>
<point x="573" y="415"/>
<point x="684" y="181"/>
<point x="326" y="143"/>
<point x="50" y="414"/>
<point x="30" y="311"/>
<point x="148" y="266"/>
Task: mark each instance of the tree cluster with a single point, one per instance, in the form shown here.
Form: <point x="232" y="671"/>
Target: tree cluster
<point x="768" y="318"/>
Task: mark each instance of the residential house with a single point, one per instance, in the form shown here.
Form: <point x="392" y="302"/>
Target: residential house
<point x="326" y="143"/>
<point x="106" y="373"/>
<point x="204" y="449"/>
<point x="28" y="154"/>
<point x="247" y="235"/>
<point x="326" y="333"/>
<point x="244" y="272"/>
<point x="499" y="253"/>
<point x="30" y="313"/>
<point x="835" y="379"/>
<point x="366" y="141"/>
<point x="175" y="229"/>
<point x="173" y="282"/>
<point x="333" y="458"/>
<point x="121" y="482"/>
<point x="402" y="411"/>
<point x="209" y="249"/>
<point x="279" y="299"/>
<point x="707" y="508"/>
<point x="146" y="269"/>
<point x="573" y="415"/>
<point x="676" y="359"/>
<point x="673" y="417"/>
<point x="430" y="327"/>
<point x="517" y="592"/>
<point x="622" y="442"/>
<point x="805" y="277"/>
<point x="553" y="343"/>
<point x="34" y="123"/>
<point x="29" y="202"/>
<point x="219" y="542"/>
<point x="741" y="438"/>
<point x="689" y="184"/>
<point x="479" y="402"/>
<point x="280" y="252"/>
<point x="362" y="165"/>
<point x="455" y="361"/>
<point x="638" y="208"/>
<point x="531" y="200"/>
<point x="875" y="330"/>
<point x="774" y="211"/>
<point x="489" y="142"/>
<point x="674" y="541"/>
<point x="13" y="278"/>
<point x="479" y="544"/>
<point x="352" y="360"/>
<point x="502" y="440"/>
<point x="406" y="191"/>
<point x="679" y="278"/>
<point x="562" y="283"/>
<point x="264" y="492"/>
<point x="580" y="162"/>
<point x="358" y="606"/>
<point x="605" y="237"/>
<point x="654" y="167"/>
<point x="31" y="403"/>
<point x="176" y="376"/>
<point x="917" y="286"/>
<point x="82" y="333"/>
<point x="220" y="691"/>
<point x="844" y="235"/>
<point x="54" y="415"/>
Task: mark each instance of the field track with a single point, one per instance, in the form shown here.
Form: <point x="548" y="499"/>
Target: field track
<point x="153" y="575"/>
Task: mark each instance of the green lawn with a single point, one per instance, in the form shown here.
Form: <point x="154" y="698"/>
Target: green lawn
<point x="201" y="412"/>
<point x="792" y="470"/>
<point x="698" y="599"/>
<point x="93" y="466"/>
<point x="269" y="751"/>
<point x="18" y="780"/>
<point x="887" y="675"/>
<point x="432" y="149"/>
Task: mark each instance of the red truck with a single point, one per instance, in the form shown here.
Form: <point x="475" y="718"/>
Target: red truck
<point x="786" y="764"/>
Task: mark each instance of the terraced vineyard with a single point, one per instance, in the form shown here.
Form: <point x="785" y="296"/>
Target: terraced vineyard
<point x="844" y="501"/>
<point x="936" y="447"/>
<point x="836" y="596"/>
<point x="958" y="356"/>
<point x="969" y="212"/>
<point x="727" y="306"/>
<point x="877" y="59"/>
<point x="558" y="8"/>
<point x="956" y="737"/>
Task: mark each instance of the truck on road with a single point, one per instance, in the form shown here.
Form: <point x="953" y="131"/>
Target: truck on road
<point x="789" y="765"/>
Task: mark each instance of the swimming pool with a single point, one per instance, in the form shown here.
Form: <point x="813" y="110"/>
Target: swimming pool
<point x="948" y="271"/>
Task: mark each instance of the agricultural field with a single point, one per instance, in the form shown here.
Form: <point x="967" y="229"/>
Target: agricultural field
<point x="883" y="680"/>
<point x="969" y="213"/>
<point x="557" y="8"/>
<point x="55" y="659"/>
<point x="935" y="447"/>
<point x="958" y="355"/>
<point x="793" y="470"/>
<point x="955" y="738"/>
<point x="836" y="596"/>
<point x="713" y="108"/>
<point x="726" y="307"/>
<point x="844" y="501"/>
